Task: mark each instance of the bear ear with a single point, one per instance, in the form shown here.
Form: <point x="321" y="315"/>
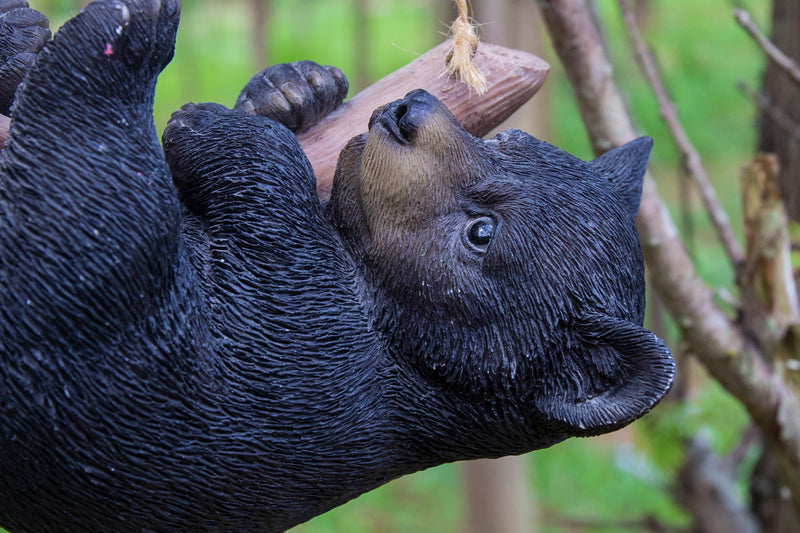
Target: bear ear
<point x="617" y="371"/>
<point x="625" y="167"/>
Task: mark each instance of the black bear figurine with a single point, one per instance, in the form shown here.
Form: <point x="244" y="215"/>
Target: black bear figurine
<point x="195" y="343"/>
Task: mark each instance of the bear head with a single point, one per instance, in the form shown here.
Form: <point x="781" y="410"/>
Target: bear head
<point x="504" y="268"/>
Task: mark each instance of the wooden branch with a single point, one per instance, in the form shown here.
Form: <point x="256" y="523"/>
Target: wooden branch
<point x="718" y="343"/>
<point x="786" y="63"/>
<point x="692" y="162"/>
<point x="512" y="78"/>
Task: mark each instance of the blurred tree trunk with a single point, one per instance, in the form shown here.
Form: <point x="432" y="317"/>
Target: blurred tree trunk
<point x="517" y="24"/>
<point x="768" y="488"/>
<point x="785" y="96"/>
<point x="497" y="496"/>
<point x="769" y="500"/>
<point x="361" y="77"/>
<point x="261" y="11"/>
<point x="446" y="13"/>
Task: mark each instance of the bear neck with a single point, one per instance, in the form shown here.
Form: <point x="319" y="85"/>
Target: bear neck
<point x="432" y="422"/>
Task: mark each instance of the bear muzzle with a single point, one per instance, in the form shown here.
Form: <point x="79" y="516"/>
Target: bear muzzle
<point x="404" y="118"/>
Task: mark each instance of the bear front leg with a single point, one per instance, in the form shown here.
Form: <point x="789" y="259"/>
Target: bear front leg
<point x="247" y="181"/>
<point x="297" y="94"/>
<point x="89" y="218"/>
<point x="236" y="171"/>
<point x="23" y="33"/>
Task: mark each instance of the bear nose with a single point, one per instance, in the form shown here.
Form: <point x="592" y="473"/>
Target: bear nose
<point x="403" y="118"/>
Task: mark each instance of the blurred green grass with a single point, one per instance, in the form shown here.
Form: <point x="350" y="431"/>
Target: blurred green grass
<point x="702" y="54"/>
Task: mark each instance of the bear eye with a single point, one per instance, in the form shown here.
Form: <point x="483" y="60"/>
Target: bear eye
<point x="479" y="232"/>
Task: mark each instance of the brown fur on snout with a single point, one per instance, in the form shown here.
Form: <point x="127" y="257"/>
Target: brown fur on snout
<point x="389" y="191"/>
<point x="403" y="184"/>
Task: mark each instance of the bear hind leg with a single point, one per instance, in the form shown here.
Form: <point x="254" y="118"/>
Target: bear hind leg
<point x="85" y="194"/>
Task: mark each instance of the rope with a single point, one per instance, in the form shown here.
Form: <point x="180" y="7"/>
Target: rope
<point x="465" y="43"/>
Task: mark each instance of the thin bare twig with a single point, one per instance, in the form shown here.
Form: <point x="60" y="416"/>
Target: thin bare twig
<point x="786" y="63"/>
<point x="691" y="158"/>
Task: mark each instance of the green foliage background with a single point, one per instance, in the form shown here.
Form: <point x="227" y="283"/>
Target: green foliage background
<point x="702" y="54"/>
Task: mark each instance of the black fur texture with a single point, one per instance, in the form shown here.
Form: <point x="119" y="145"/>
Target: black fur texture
<point x="194" y="343"/>
<point x="23" y="33"/>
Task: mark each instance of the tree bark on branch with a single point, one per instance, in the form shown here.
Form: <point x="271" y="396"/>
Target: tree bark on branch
<point x="720" y="344"/>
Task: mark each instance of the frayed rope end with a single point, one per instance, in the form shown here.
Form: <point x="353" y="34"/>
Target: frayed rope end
<point x="465" y="43"/>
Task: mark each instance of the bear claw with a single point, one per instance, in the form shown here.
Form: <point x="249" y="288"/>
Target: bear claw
<point x="297" y="94"/>
<point x="123" y="15"/>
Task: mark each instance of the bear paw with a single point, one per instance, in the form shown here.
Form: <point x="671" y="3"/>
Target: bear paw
<point x="197" y="140"/>
<point x="140" y="32"/>
<point x="216" y="154"/>
<point x="297" y="94"/>
<point x="112" y="47"/>
<point x="192" y="135"/>
<point x="23" y="33"/>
